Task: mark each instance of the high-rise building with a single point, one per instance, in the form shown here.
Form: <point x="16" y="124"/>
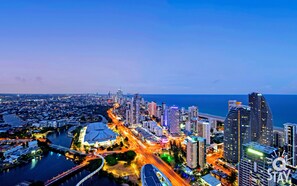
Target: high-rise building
<point x="163" y="106"/>
<point x="201" y="152"/>
<point x="119" y="96"/>
<point x="128" y="113"/>
<point x="191" y="126"/>
<point x="237" y="131"/>
<point x="203" y="130"/>
<point x="290" y="132"/>
<point x="261" y="119"/>
<point x="193" y="112"/>
<point x="278" y="137"/>
<point x="173" y="120"/>
<point x="256" y="161"/>
<point x="192" y="159"/>
<point x="231" y="103"/>
<point x="196" y="152"/>
<point x="152" y="109"/>
<point x="135" y="110"/>
<point x="164" y="118"/>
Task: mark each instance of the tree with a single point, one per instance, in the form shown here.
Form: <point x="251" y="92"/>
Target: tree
<point x="232" y="178"/>
<point x="211" y="130"/>
<point x="111" y="160"/>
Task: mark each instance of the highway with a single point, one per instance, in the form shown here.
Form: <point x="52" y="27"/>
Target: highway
<point x="93" y="173"/>
<point x="148" y="155"/>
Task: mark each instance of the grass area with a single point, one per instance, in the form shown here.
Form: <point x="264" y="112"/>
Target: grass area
<point x="167" y="158"/>
<point x="114" y="158"/>
<point x="94" y="164"/>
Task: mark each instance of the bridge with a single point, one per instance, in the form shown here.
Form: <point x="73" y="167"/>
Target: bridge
<point x="65" y="149"/>
<point x="55" y="179"/>
<point x="59" y="177"/>
<point x="93" y="173"/>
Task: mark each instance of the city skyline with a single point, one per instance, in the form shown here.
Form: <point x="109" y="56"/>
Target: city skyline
<point x="156" y="47"/>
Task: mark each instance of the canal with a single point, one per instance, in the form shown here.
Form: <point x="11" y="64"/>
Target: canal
<point x="49" y="166"/>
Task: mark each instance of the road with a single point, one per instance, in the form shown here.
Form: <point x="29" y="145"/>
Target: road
<point x="148" y="155"/>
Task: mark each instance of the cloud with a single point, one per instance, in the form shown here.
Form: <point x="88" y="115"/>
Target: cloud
<point x="216" y="81"/>
<point x="20" y="79"/>
<point x="39" y="79"/>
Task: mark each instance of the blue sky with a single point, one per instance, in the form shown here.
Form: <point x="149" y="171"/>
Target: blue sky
<point x="155" y="46"/>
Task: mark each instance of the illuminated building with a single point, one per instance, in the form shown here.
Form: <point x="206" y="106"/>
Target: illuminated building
<point x="193" y="112"/>
<point x="173" y="120"/>
<point x="152" y="109"/>
<point x="278" y="137"/>
<point x="209" y="180"/>
<point x="203" y="130"/>
<point x="237" y="131"/>
<point x="261" y="119"/>
<point x="196" y="152"/>
<point x="191" y="153"/>
<point x="290" y="132"/>
<point x="164" y="118"/>
<point x="255" y="163"/>
<point x="133" y="115"/>
<point x="97" y="134"/>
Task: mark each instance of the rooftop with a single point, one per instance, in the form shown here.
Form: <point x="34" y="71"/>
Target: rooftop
<point x="99" y="132"/>
<point x="211" y="180"/>
<point x="261" y="148"/>
<point x="151" y="176"/>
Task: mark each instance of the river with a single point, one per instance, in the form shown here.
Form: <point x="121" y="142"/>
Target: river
<point x="49" y="166"/>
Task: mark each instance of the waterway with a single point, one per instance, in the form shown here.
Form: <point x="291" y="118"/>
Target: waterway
<point x="49" y="166"/>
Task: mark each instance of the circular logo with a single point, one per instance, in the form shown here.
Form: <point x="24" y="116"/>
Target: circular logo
<point x="279" y="164"/>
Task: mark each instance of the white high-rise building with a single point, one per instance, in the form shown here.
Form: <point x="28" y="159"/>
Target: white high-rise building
<point x="191" y="153"/>
<point x="290" y="132"/>
<point x="193" y="112"/>
<point x="133" y="111"/>
<point x="196" y="152"/>
<point x="173" y="120"/>
<point x="188" y="126"/>
<point x="203" y="130"/>
<point x="152" y="109"/>
<point x="201" y="152"/>
<point x="159" y="112"/>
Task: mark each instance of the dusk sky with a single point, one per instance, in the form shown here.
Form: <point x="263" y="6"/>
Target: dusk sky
<point x="153" y="46"/>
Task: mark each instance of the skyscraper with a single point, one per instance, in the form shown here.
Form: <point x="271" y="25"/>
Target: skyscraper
<point x="196" y="152"/>
<point x="193" y="112"/>
<point x="278" y="137"/>
<point x="203" y="130"/>
<point x="191" y="126"/>
<point x="152" y="109"/>
<point x="290" y="132"/>
<point x="261" y="119"/>
<point x="135" y="109"/>
<point x="237" y="132"/>
<point x="192" y="152"/>
<point x="201" y="152"/>
<point x="173" y="120"/>
<point x="255" y="163"/>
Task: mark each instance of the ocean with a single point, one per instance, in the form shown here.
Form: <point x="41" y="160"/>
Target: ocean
<point x="283" y="107"/>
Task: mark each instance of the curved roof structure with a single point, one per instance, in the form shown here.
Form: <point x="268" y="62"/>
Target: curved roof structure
<point x="152" y="176"/>
<point x="98" y="132"/>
